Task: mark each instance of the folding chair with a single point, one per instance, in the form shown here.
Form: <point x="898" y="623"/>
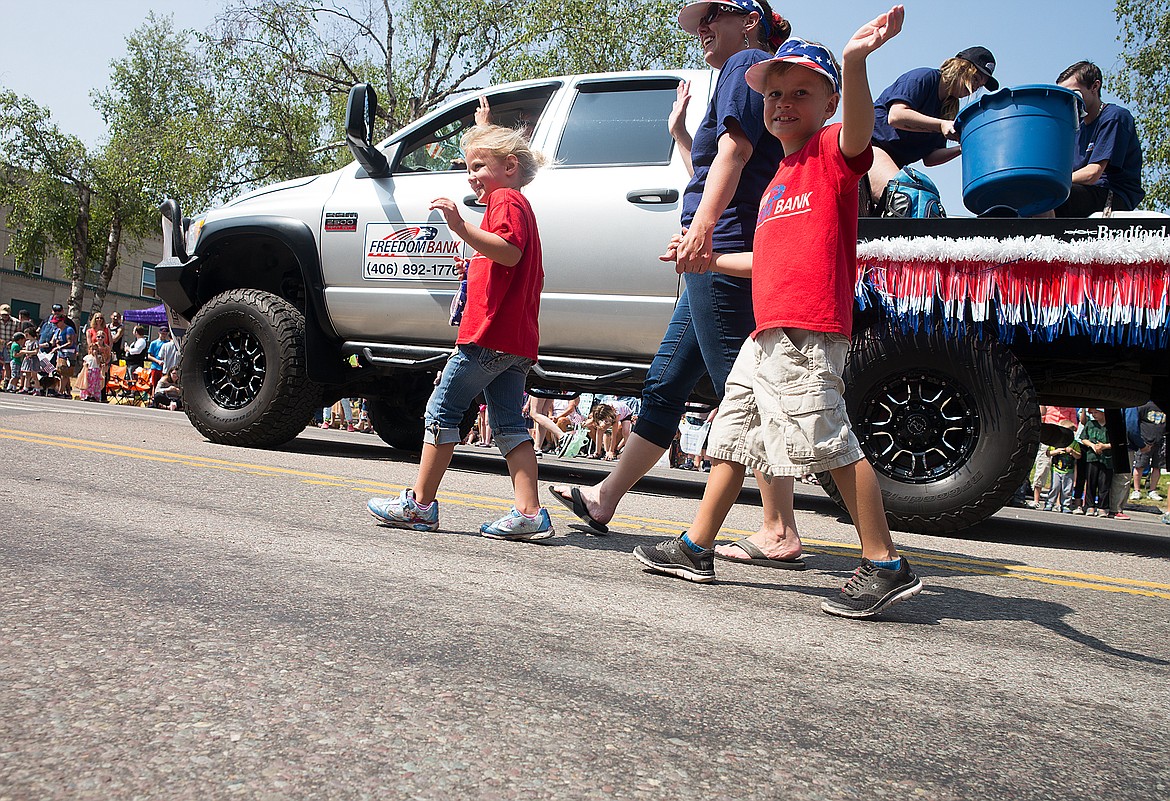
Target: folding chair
<point x="140" y="387"/>
<point x="118" y="385"/>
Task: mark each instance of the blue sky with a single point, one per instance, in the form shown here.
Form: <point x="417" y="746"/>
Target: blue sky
<point x="58" y="52"/>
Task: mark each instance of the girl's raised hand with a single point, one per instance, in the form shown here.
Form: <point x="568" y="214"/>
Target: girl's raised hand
<point x="875" y="33"/>
<point x="450" y="212"/>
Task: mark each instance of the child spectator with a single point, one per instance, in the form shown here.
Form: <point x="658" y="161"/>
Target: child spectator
<point x="497" y="342"/>
<point x="1098" y="464"/>
<point x="1063" y="462"/>
<point x="22" y="362"/>
<point x="803" y="270"/>
<point x="93" y="364"/>
<point x="598" y="423"/>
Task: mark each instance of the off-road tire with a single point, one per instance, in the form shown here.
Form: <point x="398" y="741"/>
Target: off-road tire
<point x="245" y="380"/>
<point x="967" y="405"/>
<point x="401" y="426"/>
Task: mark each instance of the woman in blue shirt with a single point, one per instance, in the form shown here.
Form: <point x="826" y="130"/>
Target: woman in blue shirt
<point x="731" y="159"/>
<point x="914" y="118"/>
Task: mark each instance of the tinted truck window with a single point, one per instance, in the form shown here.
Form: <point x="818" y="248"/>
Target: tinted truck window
<point x="621" y="123"/>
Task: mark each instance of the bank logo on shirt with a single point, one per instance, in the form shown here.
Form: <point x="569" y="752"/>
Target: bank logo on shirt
<point x="777" y="203"/>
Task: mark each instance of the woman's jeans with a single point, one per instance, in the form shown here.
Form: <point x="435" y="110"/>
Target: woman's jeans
<point x="471" y="370"/>
<point x="712" y="319"/>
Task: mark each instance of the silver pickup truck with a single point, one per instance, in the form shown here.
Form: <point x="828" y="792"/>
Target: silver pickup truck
<point x="339" y="285"/>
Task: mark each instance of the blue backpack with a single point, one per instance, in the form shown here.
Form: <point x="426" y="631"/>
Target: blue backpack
<point x="910" y="194"/>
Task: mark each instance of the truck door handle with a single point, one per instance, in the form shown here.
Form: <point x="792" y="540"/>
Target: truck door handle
<point x="473" y="202"/>
<point x="652" y="196"/>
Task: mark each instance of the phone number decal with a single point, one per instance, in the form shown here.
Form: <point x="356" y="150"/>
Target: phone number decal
<point x="412" y="251"/>
<point x="376" y="270"/>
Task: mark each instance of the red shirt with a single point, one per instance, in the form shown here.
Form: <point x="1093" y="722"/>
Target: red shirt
<point x="503" y="302"/>
<point x="804" y="265"/>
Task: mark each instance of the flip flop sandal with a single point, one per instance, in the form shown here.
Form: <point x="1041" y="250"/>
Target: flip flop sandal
<point x="759" y="559"/>
<point x="577" y="505"/>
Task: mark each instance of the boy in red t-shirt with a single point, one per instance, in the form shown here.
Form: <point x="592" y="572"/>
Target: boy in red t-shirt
<point x="783" y="410"/>
<point x="497" y="341"/>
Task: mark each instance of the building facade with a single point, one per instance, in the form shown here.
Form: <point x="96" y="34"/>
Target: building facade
<point x="37" y="287"/>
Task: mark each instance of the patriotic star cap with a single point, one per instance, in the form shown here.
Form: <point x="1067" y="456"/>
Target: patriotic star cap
<point x="809" y="55"/>
<point x="691" y="14"/>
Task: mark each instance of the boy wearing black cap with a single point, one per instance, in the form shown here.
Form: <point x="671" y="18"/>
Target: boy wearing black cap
<point x="783" y="410"/>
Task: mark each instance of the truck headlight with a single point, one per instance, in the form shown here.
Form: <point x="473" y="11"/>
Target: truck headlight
<point x="193" y="231"/>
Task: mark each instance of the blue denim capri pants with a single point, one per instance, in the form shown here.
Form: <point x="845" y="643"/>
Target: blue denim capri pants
<point x="471" y="370"/>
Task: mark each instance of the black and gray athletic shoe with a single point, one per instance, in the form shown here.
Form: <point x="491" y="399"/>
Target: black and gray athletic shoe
<point x="675" y="558"/>
<point x="873" y="589"/>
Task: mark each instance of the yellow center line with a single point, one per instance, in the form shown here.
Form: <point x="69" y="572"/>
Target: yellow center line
<point x="956" y="563"/>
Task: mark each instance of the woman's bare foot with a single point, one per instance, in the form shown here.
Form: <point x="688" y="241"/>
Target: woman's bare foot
<point x="783" y="545"/>
<point x="590" y="496"/>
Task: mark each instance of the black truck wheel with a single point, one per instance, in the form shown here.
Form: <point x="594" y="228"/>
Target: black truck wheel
<point x="244" y="373"/>
<point x="950" y="425"/>
<point x="401" y="425"/>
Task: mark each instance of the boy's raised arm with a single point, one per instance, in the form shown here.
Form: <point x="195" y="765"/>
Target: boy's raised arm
<point x="856" y="99"/>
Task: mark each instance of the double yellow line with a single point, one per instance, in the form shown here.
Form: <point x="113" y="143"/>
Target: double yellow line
<point x="955" y="563"/>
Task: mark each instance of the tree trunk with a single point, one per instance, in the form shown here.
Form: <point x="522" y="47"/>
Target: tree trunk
<point x="391" y="104"/>
<point x="109" y="263"/>
<point x="80" y="251"/>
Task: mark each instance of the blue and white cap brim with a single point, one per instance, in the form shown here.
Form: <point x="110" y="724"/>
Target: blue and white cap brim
<point x="796" y="51"/>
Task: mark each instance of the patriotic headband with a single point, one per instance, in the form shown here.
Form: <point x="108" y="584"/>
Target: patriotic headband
<point x="811" y="56"/>
<point x="693" y="13"/>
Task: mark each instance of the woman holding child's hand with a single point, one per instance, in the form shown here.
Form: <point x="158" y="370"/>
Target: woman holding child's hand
<point x="731" y="159"/>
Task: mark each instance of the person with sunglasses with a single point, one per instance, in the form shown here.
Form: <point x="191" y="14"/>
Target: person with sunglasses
<point x="731" y="158"/>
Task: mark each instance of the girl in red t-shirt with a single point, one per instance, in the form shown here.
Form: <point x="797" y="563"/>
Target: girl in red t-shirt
<point x="497" y="342"/>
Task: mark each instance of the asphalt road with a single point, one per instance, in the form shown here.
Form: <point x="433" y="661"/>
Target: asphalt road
<point x="182" y="620"/>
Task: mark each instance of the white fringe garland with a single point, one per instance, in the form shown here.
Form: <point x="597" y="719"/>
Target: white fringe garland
<point x="1114" y="289"/>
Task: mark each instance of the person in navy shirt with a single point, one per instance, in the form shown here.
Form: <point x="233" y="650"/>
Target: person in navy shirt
<point x="1108" y="156"/>
<point x="914" y="117"/>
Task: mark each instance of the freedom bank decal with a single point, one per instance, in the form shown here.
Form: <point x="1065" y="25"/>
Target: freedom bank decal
<point x="410" y="250"/>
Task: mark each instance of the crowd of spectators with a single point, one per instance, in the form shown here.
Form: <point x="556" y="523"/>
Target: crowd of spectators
<point x="1079" y="475"/>
<point x="57" y="358"/>
<point x="598" y="427"/>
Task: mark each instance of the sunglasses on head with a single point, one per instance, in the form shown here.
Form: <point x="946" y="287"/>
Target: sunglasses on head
<point x="716" y="9"/>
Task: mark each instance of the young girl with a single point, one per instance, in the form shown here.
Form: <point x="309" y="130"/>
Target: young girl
<point x="497" y="342"/>
<point x="93" y="374"/>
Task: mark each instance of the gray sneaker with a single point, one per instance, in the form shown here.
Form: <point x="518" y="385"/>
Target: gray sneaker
<point x="675" y="558"/>
<point x="872" y="589"/>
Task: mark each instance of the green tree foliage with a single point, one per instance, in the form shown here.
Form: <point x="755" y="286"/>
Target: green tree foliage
<point x="1143" y="84"/>
<point x="161" y="138"/>
<point x="48" y="185"/>
<point x="297" y="59"/>
<point x="600" y="36"/>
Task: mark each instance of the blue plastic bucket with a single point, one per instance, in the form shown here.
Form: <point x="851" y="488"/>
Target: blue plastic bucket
<point x="1018" y="148"/>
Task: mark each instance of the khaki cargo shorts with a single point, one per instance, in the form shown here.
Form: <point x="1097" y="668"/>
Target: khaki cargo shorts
<point x="783" y="411"/>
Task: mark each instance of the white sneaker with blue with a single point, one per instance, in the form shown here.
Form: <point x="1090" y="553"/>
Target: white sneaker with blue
<point x="405" y="512"/>
<point x="517" y="526"/>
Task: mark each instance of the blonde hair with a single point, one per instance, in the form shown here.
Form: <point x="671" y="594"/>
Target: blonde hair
<point x="958" y="80"/>
<point x="503" y="142"/>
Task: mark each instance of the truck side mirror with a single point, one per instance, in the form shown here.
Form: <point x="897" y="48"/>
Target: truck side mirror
<point x="359" y="123"/>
